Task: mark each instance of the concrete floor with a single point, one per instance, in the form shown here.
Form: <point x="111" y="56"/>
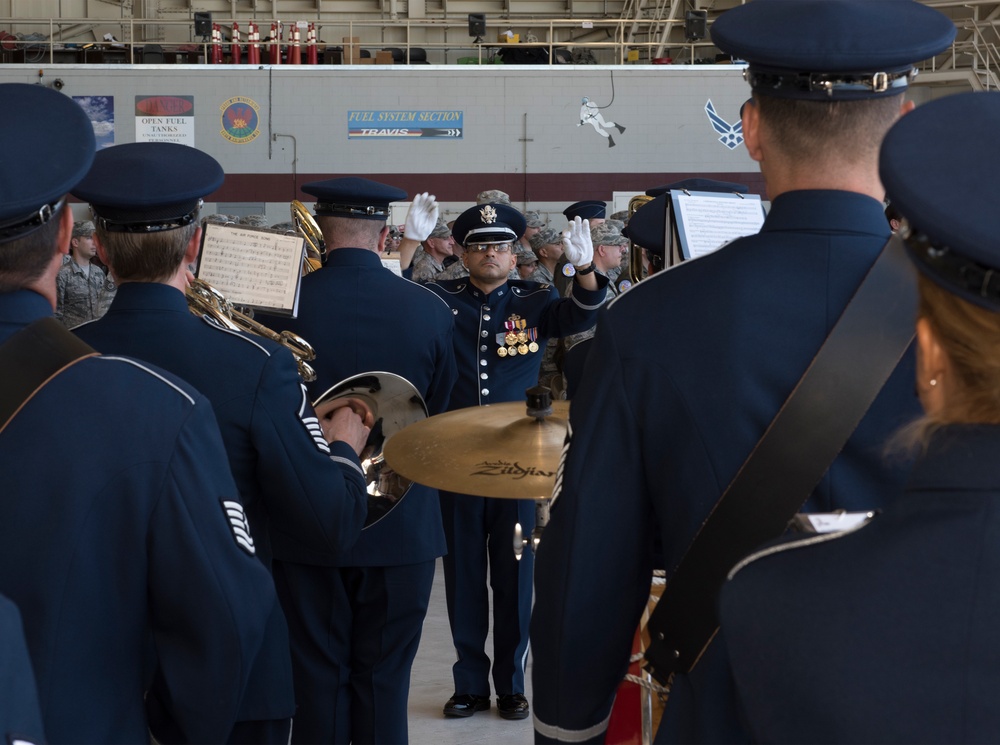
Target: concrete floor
<point x="431" y="685"/>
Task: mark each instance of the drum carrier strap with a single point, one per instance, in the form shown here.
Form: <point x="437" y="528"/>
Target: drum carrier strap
<point x="31" y="358"/>
<point x="794" y="453"/>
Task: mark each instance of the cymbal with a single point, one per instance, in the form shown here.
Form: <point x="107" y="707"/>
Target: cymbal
<point x="488" y="451"/>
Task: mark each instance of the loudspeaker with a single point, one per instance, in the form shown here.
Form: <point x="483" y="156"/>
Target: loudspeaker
<point x="477" y="24"/>
<point x="202" y="24"/>
<point x="694" y="24"/>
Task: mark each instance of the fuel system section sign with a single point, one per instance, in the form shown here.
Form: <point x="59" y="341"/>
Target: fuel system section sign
<point x="404" y="125"/>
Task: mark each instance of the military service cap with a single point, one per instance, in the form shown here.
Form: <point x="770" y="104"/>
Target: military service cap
<point x="647" y="226"/>
<point x="83" y="229"/>
<point x="146" y="187"/>
<point x="533" y="220"/>
<point x="488" y="223"/>
<point x="494" y="196"/>
<point x="254" y="221"/>
<point x="48" y="146"/>
<point x="586" y="210"/>
<point x="354" y="197"/>
<point x="525" y="256"/>
<point x="951" y="232"/>
<point x="544" y="237"/>
<point x="831" y="49"/>
<point x="441" y="230"/>
<point x="699" y="184"/>
<point x="218" y="219"/>
<point x="607" y="234"/>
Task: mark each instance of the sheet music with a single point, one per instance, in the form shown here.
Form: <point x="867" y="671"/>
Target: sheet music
<point x="706" y="220"/>
<point x="256" y="268"/>
<point x="392" y="265"/>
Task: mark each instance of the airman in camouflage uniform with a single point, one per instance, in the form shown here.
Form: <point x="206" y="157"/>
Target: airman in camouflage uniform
<point x="83" y="291"/>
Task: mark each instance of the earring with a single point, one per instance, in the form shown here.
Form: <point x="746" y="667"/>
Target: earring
<point x="932" y="381"/>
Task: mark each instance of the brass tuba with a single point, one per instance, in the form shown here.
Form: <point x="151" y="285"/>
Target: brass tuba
<point x="636" y="270"/>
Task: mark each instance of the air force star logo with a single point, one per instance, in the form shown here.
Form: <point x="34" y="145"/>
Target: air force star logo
<point x="732" y="134"/>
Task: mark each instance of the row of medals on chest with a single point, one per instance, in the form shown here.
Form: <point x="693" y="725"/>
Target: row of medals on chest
<point x="517" y="339"/>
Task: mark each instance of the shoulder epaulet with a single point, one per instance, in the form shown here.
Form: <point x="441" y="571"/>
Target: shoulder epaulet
<point x="449" y="285"/>
<point x="246" y="337"/>
<point x="426" y="288"/>
<point x="104" y="358"/>
<point x="813" y="539"/>
<point x="526" y="288"/>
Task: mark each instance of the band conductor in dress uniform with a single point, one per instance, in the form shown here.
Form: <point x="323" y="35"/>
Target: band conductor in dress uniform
<point x="501" y="331"/>
<point x="129" y="560"/>
<point x="886" y="633"/>
<point x="356" y="618"/>
<point x="660" y="428"/>
<point x="300" y="491"/>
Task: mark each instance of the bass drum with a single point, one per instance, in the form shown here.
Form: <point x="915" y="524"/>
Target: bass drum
<point x="387" y="403"/>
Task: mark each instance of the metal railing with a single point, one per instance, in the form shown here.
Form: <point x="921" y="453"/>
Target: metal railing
<point x="615" y="41"/>
<point x="432" y="36"/>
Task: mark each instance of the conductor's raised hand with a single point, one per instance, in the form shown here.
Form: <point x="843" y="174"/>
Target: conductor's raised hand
<point x="422" y="217"/>
<point x="577" y="245"/>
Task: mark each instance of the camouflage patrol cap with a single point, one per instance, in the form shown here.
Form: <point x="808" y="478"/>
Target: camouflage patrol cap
<point x="525" y="256"/>
<point x="494" y="196"/>
<point x="83" y="229"/>
<point x="254" y="221"/>
<point x="533" y="219"/>
<point x="620" y="224"/>
<point x="607" y="234"/>
<point x="621" y="215"/>
<point x="441" y="230"/>
<point x="544" y="237"/>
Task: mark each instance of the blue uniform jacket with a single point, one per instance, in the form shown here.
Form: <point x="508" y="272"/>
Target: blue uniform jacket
<point x="277" y="452"/>
<point x="118" y="547"/>
<point x="886" y="633"/>
<point x="685" y="373"/>
<point x="20" y="715"/>
<point x="361" y="317"/>
<point x="484" y="377"/>
<point x="293" y="493"/>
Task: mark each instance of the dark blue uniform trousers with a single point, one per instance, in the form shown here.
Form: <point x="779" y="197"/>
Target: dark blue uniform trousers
<point x="480" y="534"/>
<point x="355" y="632"/>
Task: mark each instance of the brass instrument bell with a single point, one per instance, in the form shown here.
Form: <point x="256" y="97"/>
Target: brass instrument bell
<point x="387" y="403"/>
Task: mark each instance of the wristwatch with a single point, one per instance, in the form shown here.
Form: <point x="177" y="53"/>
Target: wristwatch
<point x="588" y="270"/>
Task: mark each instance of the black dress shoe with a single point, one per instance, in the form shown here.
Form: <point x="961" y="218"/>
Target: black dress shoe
<point x="466" y="704"/>
<point x="512" y="706"/>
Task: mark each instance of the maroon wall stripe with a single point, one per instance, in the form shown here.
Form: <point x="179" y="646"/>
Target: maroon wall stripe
<point x="463" y="187"/>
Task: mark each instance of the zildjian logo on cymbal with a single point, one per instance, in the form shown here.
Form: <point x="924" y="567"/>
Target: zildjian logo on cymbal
<point x="503" y="468"/>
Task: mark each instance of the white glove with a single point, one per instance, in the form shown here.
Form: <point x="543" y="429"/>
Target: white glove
<point x="577" y="246"/>
<point x="421" y="218"/>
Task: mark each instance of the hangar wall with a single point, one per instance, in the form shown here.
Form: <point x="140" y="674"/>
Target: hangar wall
<point x="453" y="130"/>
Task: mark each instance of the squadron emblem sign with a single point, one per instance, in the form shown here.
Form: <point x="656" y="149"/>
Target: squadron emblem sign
<point x="240" y="121"/>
